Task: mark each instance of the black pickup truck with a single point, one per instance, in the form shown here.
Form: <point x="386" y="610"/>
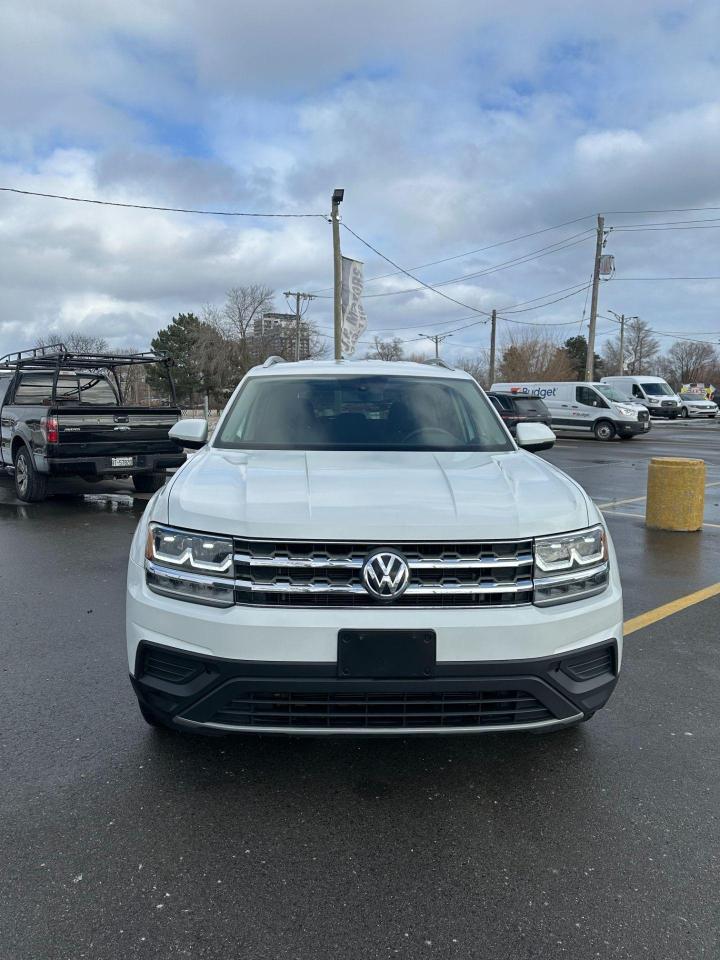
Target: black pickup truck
<point x="70" y="414"/>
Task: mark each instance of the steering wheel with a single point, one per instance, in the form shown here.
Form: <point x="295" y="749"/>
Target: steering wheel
<point x="424" y="431"/>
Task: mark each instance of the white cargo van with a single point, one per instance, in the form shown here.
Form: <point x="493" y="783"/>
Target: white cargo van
<point x="586" y="407"/>
<point x="653" y="392"/>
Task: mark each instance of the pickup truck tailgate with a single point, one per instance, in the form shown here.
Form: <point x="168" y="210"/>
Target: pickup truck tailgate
<point x="115" y="431"/>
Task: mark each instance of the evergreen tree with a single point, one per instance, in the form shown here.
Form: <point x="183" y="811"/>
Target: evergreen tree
<point x="181" y="341"/>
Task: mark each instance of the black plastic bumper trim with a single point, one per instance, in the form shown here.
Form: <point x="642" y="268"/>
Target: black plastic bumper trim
<point x="551" y="679"/>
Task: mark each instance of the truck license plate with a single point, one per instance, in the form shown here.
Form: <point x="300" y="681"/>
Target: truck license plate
<point x="122" y="461"/>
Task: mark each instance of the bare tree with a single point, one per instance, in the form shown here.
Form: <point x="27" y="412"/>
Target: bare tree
<point x="641" y="349"/>
<point x="478" y="366"/>
<point x="534" y="355"/>
<point x="75" y="340"/>
<point x="391" y="349"/>
<point x="689" y="362"/>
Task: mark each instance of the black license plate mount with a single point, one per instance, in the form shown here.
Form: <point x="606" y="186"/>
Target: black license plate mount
<point x="386" y="654"/>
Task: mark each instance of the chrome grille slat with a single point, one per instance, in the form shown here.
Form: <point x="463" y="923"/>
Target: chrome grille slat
<point x="303" y="573"/>
<point x="354" y="588"/>
<point x="318" y="563"/>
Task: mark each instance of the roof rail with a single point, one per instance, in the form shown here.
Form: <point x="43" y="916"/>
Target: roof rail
<point x="271" y="361"/>
<point x="438" y="362"/>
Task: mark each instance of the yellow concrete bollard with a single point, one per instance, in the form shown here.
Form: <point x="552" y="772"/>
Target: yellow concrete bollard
<point x="675" y="494"/>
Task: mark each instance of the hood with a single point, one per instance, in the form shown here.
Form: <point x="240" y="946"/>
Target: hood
<point x="379" y="496"/>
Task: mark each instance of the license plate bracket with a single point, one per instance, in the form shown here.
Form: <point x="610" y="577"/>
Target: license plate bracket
<point x="122" y="461"/>
<point x="386" y="654"/>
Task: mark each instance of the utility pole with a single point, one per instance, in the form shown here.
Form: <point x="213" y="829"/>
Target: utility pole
<point x="590" y="359"/>
<point x="337" y="199"/>
<point x="621" y="318"/>
<point x="493" y="330"/>
<point x="437" y="339"/>
<point x="298" y="297"/>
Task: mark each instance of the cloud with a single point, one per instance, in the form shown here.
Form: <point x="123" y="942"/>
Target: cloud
<point x="452" y="126"/>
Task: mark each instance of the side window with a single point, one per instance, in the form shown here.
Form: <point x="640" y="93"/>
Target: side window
<point x="35" y="388"/>
<point x="4" y="384"/>
<point x="636" y="391"/>
<point x="588" y="398"/>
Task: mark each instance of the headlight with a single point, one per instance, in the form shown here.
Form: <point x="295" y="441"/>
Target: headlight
<point x="189" y="566"/>
<point x="571" y="566"/>
<point x="627" y="411"/>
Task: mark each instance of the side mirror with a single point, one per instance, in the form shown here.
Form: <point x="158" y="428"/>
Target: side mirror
<point x="191" y="434"/>
<point x="534" y="437"/>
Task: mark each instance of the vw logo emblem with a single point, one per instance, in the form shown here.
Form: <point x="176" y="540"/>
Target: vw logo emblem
<point x="385" y="575"/>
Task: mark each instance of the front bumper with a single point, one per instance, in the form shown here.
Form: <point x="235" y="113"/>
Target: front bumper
<point x="629" y="428"/>
<point x="220" y="696"/>
<point x="249" y="668"/>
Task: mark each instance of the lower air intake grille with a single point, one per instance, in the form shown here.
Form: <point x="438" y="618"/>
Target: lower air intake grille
<point x="593" y="664"/>
<point x="163" y="665"/>
<point x="371" y="710"/>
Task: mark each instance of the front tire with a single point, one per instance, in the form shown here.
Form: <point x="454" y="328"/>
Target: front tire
<point x="604" y="430"/>
<point x="30" y="485"/>
<point x="148" y="482"/>
<point x="683" y="413"/>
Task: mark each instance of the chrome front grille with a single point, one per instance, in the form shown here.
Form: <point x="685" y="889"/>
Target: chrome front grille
<point x="329" y="574"/>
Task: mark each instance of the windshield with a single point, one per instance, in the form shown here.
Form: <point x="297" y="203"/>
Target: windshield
<point x="657" y="390"/>
<point x="362" y="413"/>
<point x="528" y="405"/>
<point x="612" y="394"/>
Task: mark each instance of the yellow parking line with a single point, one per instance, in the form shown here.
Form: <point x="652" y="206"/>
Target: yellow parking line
<point x="668" y="609"/>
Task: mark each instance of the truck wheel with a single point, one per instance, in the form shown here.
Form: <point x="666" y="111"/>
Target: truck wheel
<point x="604" y="430"/>
<point x="30" y="485"/>
<point x="148" y="482"/>
<point x="684" y="413"/>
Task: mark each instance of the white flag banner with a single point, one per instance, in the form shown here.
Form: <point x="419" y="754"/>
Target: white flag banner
<point x="354" y="321"/>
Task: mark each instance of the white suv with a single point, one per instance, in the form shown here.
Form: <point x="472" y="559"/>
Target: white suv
<point x="362" y="548"/>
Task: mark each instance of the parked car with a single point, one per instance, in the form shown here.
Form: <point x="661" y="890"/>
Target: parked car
<point x="654" y="392"/>
<point x="697" y="405"/>
<point x="516" y="409"/>
<point x="67" y="415"/>
<point x="364" y="549"/>
<point x="579" y="407"/>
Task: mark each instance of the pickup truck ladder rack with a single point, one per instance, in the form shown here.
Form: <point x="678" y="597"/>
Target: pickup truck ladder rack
<point x="57" y="357"/>
<point x="51" y="349"/>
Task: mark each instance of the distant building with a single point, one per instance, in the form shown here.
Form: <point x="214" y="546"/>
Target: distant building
<point x="276" y="334"/>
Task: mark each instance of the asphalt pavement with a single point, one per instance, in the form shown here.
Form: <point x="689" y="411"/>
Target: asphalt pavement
<point x="120" y="842"/>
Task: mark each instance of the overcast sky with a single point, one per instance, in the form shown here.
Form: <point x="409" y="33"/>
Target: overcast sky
<point x="452" y="126"/>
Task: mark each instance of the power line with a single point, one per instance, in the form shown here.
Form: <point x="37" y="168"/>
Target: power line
<point x="411" y="276"/>
<point x="470" y="253"/>
<point x="616" y="278"/>
<point x="146" y="206"/>
<point x="509" y="309"/>
<point x="526" y="258"/>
